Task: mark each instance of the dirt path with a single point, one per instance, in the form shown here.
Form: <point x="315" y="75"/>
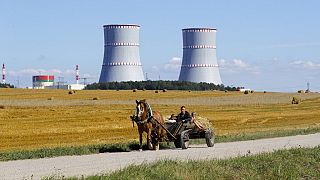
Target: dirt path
<point x="107" y="162"/>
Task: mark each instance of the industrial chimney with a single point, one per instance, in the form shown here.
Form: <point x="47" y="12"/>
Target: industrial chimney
<point x="121" y="60"/>
<point x="77" y="74"/>
<point x="3" y="74"/>
<point x="199" y="62"/>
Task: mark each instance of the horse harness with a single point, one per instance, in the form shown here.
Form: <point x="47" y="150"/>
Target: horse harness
<point x="148" y="118"/>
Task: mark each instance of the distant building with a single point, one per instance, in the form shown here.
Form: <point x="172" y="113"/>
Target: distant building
<point x="67" y="86"/>
<point x="242" y="89"/>
<point x="47" y="82"/>
<point x="42" y="81"/>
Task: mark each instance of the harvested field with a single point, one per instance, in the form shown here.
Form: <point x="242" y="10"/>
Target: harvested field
<point x="28" y="120"/>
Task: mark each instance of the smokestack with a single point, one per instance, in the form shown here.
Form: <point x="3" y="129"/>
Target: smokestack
<point x="121" y="60"/>
<point x="3" y="74"/>
<point x="77" y="74"/>
<point x="199" y="62"/>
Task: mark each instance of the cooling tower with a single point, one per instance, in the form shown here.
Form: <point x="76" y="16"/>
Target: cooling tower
<point x="199" y="62"/>
<point x="121" y="60"/>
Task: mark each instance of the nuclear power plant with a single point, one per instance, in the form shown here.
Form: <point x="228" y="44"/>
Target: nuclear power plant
<point x="199" y="62"/>
<point x="121" y="60"/>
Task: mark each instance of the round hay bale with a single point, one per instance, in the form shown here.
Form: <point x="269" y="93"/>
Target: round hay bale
<point x="134" y="90"/>
<point x="70" y="92"/>
<point x="301" y="91"/>
<point x="295" y="100"/>
<point x="95" y="98"/>
<point x="252" y="91"/>
<point x="2" y="107"/>
<point x="156" y="91"/>
<point x="264" y="91"/>
<point x="164" y="90"/>
<point x="225" y="91"/>
<point x="246" y="92"/>
<point x="51" y="98"/>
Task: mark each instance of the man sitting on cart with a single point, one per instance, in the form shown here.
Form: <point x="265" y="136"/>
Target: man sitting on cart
<point x="184" y="115"/>
<point x="185" y="118"/>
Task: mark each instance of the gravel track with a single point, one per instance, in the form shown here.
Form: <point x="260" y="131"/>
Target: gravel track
<point x="108" y="162"/>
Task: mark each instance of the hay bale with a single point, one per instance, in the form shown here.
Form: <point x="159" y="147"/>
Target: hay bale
<point x="95" y="98"/>
<point x="251" y="91"/>
<point x="225" y="91"/>
<point x="189" y="91"/>
<point x="156" y="91"/>
<point x="143" y="89"/>
<point x="134" y="90"/>
<point x="246" y="92"/>
<point x="51" y="98"/>
<point x="301" y="91"/>
<point x="2" y="107"/>
<point x="71" y="92"/>
<point x="295" y="100"/>
<point x="264" y="91"/>
<point x="164" y="90"/>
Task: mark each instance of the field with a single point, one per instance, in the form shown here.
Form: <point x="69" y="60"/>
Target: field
<point x="29" y="120"/>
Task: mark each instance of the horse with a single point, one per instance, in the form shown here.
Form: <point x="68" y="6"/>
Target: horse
<point x="150" y="122"/>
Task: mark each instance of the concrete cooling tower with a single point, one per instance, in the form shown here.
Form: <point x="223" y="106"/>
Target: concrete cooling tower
<point x="121" y="60"/>
<point x="199" y="62"/>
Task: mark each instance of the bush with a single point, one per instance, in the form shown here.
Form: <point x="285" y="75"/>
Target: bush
<point x="295" y="100"/>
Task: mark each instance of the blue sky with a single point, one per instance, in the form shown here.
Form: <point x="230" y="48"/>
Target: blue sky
<point x="264" y="45"/>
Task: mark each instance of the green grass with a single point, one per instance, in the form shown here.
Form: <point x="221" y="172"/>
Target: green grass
<point x="259" y="135"/>
<point x="126" y="147"/>
<point x="299" y="163"/>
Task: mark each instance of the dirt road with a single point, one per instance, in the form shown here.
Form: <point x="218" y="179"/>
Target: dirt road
<point x="107" y="162"/>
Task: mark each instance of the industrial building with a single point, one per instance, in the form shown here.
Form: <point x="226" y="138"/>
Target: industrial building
<point x="47" y="82"/>
<point x="42" y="81"/>
<point x="121" y="60"/>
<point x="199" y="62"/>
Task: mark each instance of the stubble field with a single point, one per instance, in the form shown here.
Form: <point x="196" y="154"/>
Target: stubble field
<point x="28" y="120"/>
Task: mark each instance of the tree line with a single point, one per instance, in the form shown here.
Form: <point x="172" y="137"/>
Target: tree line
<point x="159" y="85"/>
<point x="5" y="85"/>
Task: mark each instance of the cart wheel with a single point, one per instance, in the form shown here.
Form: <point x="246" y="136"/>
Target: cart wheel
<point x="209" y="135"/>
<point x="184" y="139"/>
<point x="177" y="142"/>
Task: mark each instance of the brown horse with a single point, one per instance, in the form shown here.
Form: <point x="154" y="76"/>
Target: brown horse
<point x="148" y="121"/>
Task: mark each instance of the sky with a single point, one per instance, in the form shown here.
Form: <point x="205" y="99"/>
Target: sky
<point x="267" y="45"/>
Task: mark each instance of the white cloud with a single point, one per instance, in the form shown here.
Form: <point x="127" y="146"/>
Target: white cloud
<point x="173" y="65"/>
<point x="306" y="64"/>
<point x="237" y="65"/>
